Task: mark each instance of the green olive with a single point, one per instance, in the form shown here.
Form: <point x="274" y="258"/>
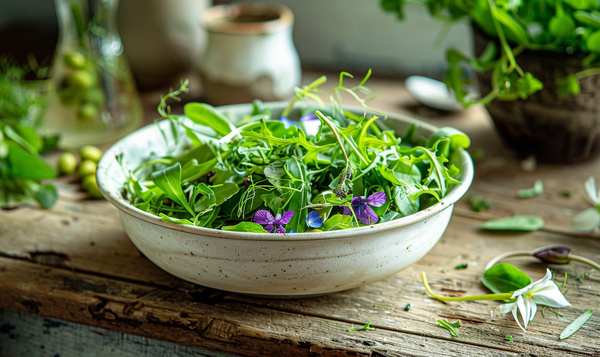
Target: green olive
<point x="87" y="167"/>
<point x="87" y="112"/>
<point x="94" y="96"/>
<point x="80" y="79"/>
<point x="67" y="163"/>
<point x="91" y="186"/>
<point x="90" y="152"/>
<point x="74" y="60"/>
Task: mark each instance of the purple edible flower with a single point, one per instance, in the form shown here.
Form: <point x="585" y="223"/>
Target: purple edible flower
<point x="273" y="224"/>
<point x="362" y="207"/>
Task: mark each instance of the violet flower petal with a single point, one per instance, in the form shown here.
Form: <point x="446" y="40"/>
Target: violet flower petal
<point x="346" y="210"/>
<point x="277" y="218"/>
<point x="371" y="214"/>
<point x="263" y="217"/>
<point x="286" y="217"/>
<point x="377" y="199"/>
<point x="270" y="227"/>
<point x="281" y="229"/>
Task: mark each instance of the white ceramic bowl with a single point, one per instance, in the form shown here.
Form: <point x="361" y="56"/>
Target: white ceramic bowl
<point x="275" y="265"/>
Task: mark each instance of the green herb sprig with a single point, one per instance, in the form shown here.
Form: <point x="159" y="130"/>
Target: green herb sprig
<point x="22" y="169"/>
<point x="569" y="27"/>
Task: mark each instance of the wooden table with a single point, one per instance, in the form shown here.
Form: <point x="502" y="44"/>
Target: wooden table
<point x="75" y="264"/>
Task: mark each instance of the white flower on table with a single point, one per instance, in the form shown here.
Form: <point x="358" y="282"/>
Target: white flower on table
<point x="589" y="220"/>
<point x="542" y="292"/>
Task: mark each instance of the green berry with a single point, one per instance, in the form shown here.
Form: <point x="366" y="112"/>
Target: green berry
<point x="74" y="60"/>
<point x="87" y="111"/>
<point x="67" y="163"/>
<point x="90" y="152"/>
<point x="87" y="167"/>
<point x="80" y="79"/>
<point x="91" y="186"/>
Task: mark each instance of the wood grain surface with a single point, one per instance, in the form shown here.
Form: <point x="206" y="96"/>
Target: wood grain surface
<point x="75" y="263"/>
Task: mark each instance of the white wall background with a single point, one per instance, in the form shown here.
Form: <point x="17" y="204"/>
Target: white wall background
<point x="358" y="34"/>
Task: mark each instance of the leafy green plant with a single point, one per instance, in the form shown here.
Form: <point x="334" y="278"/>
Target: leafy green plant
<point x="571" y="27"/>
<point x="21" y="167"/>
<point x="312" y="168"/>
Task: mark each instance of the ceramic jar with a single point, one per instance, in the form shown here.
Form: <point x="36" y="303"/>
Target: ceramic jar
<point x="250" y="54"/>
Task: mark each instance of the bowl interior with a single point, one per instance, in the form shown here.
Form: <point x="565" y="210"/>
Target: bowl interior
<point x="157" y="140"/>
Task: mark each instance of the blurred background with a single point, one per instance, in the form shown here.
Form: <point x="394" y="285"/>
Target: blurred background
<point x="164" y="40"/>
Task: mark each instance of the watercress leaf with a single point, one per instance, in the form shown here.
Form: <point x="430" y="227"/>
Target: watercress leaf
<point x="337" y="222"/>
<point x="206" y="202"/>
<point x="175" y="220"/>
<point x="576" y="325"/>
<point x="586" y="18"/>
<point x="568" y="85"/>
<point x="536" y="190"/>
<point x="46" y="195"/>
<point x="250" y="227"/>
<point x="205" y="114"/>
<point x="561" y="26"/>
<point x="404" y="204"/>
<point x="273" y="201"/>
<point x="515" y="223"/>
<point x="504" y="278"/>
<point x="224" y="192"/>
<point x="169" y="180"/>
<point x="24" y="164"/>
<point x="528" y="85"/>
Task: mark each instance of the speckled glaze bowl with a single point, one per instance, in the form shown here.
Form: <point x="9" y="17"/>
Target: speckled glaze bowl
<point x="275" y="265"/>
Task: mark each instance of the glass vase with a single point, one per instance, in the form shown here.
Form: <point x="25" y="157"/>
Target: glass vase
<point x="93" y="98"/>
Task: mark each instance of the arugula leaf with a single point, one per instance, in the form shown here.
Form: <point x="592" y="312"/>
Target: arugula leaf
<point x="169" y="180"/>
<point x="450" y="326"/>
<point x="205" y="114"/>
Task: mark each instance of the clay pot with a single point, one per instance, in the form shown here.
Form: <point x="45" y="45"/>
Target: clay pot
<point x="250" y="54"/>
<point x="555" y="130"/>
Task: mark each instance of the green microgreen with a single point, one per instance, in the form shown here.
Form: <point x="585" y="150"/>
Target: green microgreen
<point x="479" y="204"/>
<point x="450" y="326"/>
<point x="461" y="266"/>
<point x="366" y="327"/>
<point x="536" y="190"/>
<point x="303" y="168"/>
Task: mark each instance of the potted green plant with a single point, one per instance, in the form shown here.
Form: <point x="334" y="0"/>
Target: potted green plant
<point x="537" y="63"/>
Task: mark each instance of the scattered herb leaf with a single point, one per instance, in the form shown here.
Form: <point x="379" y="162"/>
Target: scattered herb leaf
<point x="462" y="266"/>
<point x="565" y="193"/>
<point x="576" y="325"/>
<point x="515" y="223"/>
<point x="479" y="204"/>
<point x="450" y="326"/>
<point x="583" y="276"/>
<point x="366" y="327"/>
<point x="536" y="190"/>
<point x="508" y="338"/>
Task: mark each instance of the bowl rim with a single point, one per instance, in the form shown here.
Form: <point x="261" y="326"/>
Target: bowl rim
<point x="124" y="206"/>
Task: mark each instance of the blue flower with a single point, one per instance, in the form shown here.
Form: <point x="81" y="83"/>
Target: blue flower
<point x="287" y="123"/>
<point x="313" y="220"/>
<point x="273" y="224"/>
<point x="362" y="207"/>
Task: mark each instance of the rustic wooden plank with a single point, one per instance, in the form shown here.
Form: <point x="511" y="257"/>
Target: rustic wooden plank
<point x="214" y="324"/>
<point x="383" y="302"/>
<point x="23" y="334"/>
